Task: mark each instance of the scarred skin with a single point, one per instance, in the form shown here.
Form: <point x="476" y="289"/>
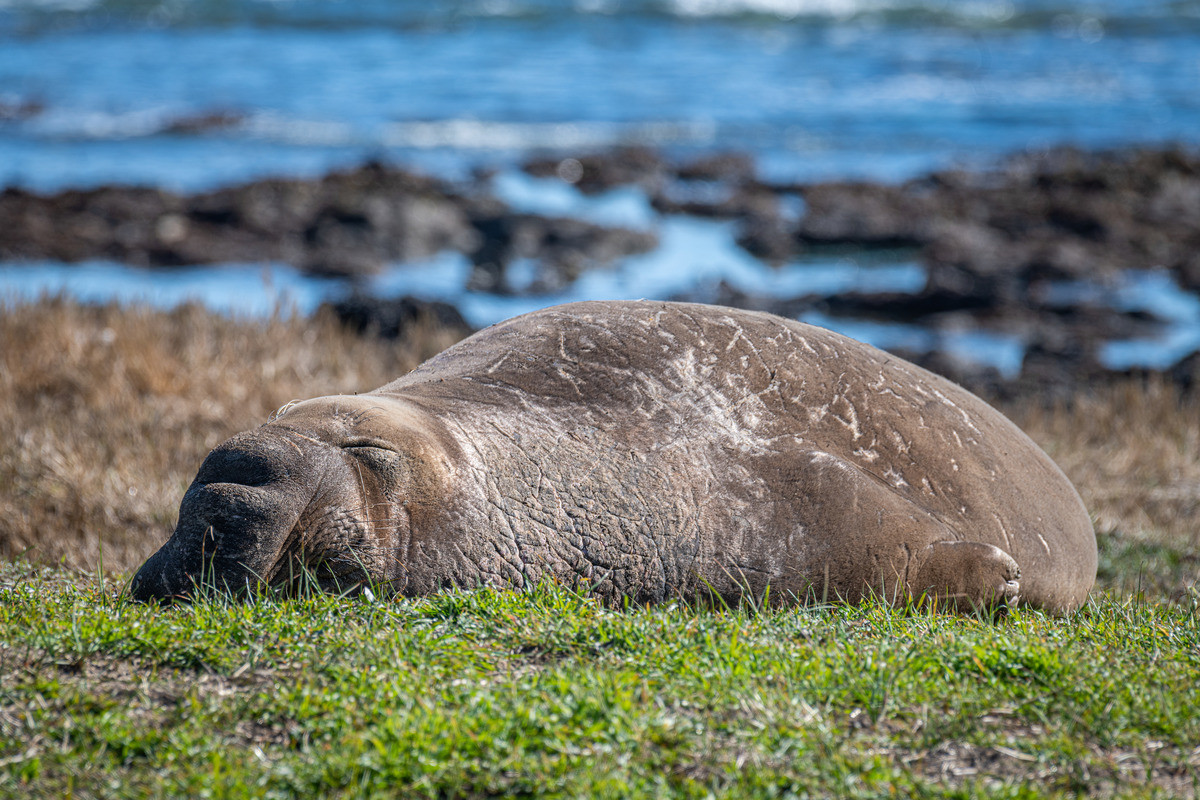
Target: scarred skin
<point x="648" y="451"/>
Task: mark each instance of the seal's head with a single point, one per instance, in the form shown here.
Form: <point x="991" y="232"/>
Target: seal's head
<point x="327" y="490"/>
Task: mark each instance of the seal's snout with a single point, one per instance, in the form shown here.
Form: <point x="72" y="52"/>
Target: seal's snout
<point x="155" y="581"/>
<point x="196" y="560"/>
<point x="142" y="588"/>
<point x="235" y="520"/>
<point x="146" y="589"/>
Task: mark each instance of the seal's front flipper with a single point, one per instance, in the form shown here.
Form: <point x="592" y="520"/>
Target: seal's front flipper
<point x="967" y="576"/>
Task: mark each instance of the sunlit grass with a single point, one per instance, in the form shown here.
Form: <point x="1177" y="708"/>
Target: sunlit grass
<point x="548" y="692"/>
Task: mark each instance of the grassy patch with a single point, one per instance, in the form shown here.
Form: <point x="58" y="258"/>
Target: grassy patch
<point x="549" y="693"/>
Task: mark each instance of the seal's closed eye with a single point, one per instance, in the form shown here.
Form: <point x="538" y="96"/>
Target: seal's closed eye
<point x="383" y="460"/>
<point x="362" y="442"/>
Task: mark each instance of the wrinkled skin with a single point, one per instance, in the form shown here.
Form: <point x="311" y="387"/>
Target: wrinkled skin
<point x="646" y="451"/>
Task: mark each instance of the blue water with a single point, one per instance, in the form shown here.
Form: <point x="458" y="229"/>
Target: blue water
<point x="884" y="89"/>
<point x="706" y="247"/>
<point x="881" y="88"/>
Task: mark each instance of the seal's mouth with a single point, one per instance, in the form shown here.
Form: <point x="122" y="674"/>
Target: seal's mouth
<point x="147" y="587"/>
<point x="298" y="573"/>
<point x="178" y="573"/>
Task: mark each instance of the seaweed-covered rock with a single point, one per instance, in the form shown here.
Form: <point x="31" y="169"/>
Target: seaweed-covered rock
<point x="344" y="224"/>
<point x="562" y="249"/>
<point x="867" y="214"/>
<point x="391" y="317"/>
<point x="593" y="173"/>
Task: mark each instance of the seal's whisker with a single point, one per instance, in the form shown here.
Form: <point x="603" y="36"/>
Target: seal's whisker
<point x="283" y="409"/>
<point x="332" y="510"/>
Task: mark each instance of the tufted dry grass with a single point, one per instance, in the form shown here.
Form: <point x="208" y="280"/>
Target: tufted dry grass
<point x="106" y="412"/>
<point x="1133" y="451"/>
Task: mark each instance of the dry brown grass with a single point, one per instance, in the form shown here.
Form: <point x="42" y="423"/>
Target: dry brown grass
<point x="106" y="412"/>
<point x="1133" y="451"/>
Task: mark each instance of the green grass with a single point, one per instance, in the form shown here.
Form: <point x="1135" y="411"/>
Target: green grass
<point x="548" y="693"/>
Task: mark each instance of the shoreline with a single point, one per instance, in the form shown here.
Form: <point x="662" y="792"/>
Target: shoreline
<point x="1043" y="253"/>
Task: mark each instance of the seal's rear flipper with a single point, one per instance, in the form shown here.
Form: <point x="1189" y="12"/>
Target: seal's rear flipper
<point x="969" y="577"/>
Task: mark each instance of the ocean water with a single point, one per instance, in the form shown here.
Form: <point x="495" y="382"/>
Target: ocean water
<point x="814" y="88"/>
<point x="93" y="91"/>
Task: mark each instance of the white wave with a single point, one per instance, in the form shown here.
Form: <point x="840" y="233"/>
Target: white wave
<point x="987" y="10"/>
<point x="472" y="134"/>
<point x="780" y="8"/>
<point x="50" y="5"/>
<point x="495" y="8"/>
<point x="307" y="133"/>
<point x="469" y="134"/>
<point x="67" y="123"/>
<point x="953" y="90"/>
<point x="460" y="134"/>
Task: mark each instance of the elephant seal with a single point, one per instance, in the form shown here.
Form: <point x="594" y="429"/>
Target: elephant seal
<point x="649" y="451"/>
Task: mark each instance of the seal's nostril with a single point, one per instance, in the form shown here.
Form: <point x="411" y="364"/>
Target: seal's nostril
<point x="139" y="588"/>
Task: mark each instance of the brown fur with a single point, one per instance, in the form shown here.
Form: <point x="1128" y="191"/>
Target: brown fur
<point x="650" y="450"/>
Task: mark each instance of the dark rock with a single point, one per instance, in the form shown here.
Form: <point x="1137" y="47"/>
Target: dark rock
<point x="20" y="110"/>
<point x="390" y="318"/>
<point x="1072" y="214"/>
<point x="991" y="241"/>
<point x="900" y="307"/>
<point x="1186" y="373"/>
<point x="342" y="225"/>
<point x="1187" y="271"/>
<point x="208" y="122"/>
<point x="347" y="223"/>
<point x="1054" y="373"/>
<point x="865" y="214"/>
<point x="723" y="167"/>
<point x="563" y="249"/>
<point x="715" y="200"/>
<point x="599" y="172"/>
<point x="768" y="237"/>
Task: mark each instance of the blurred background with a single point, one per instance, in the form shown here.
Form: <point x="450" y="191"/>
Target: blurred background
<point x="998" y="188"/>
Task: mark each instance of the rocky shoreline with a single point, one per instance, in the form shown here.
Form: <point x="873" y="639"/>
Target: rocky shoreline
<point x="344" y="224"/>
<point x="1034" y="250"/>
